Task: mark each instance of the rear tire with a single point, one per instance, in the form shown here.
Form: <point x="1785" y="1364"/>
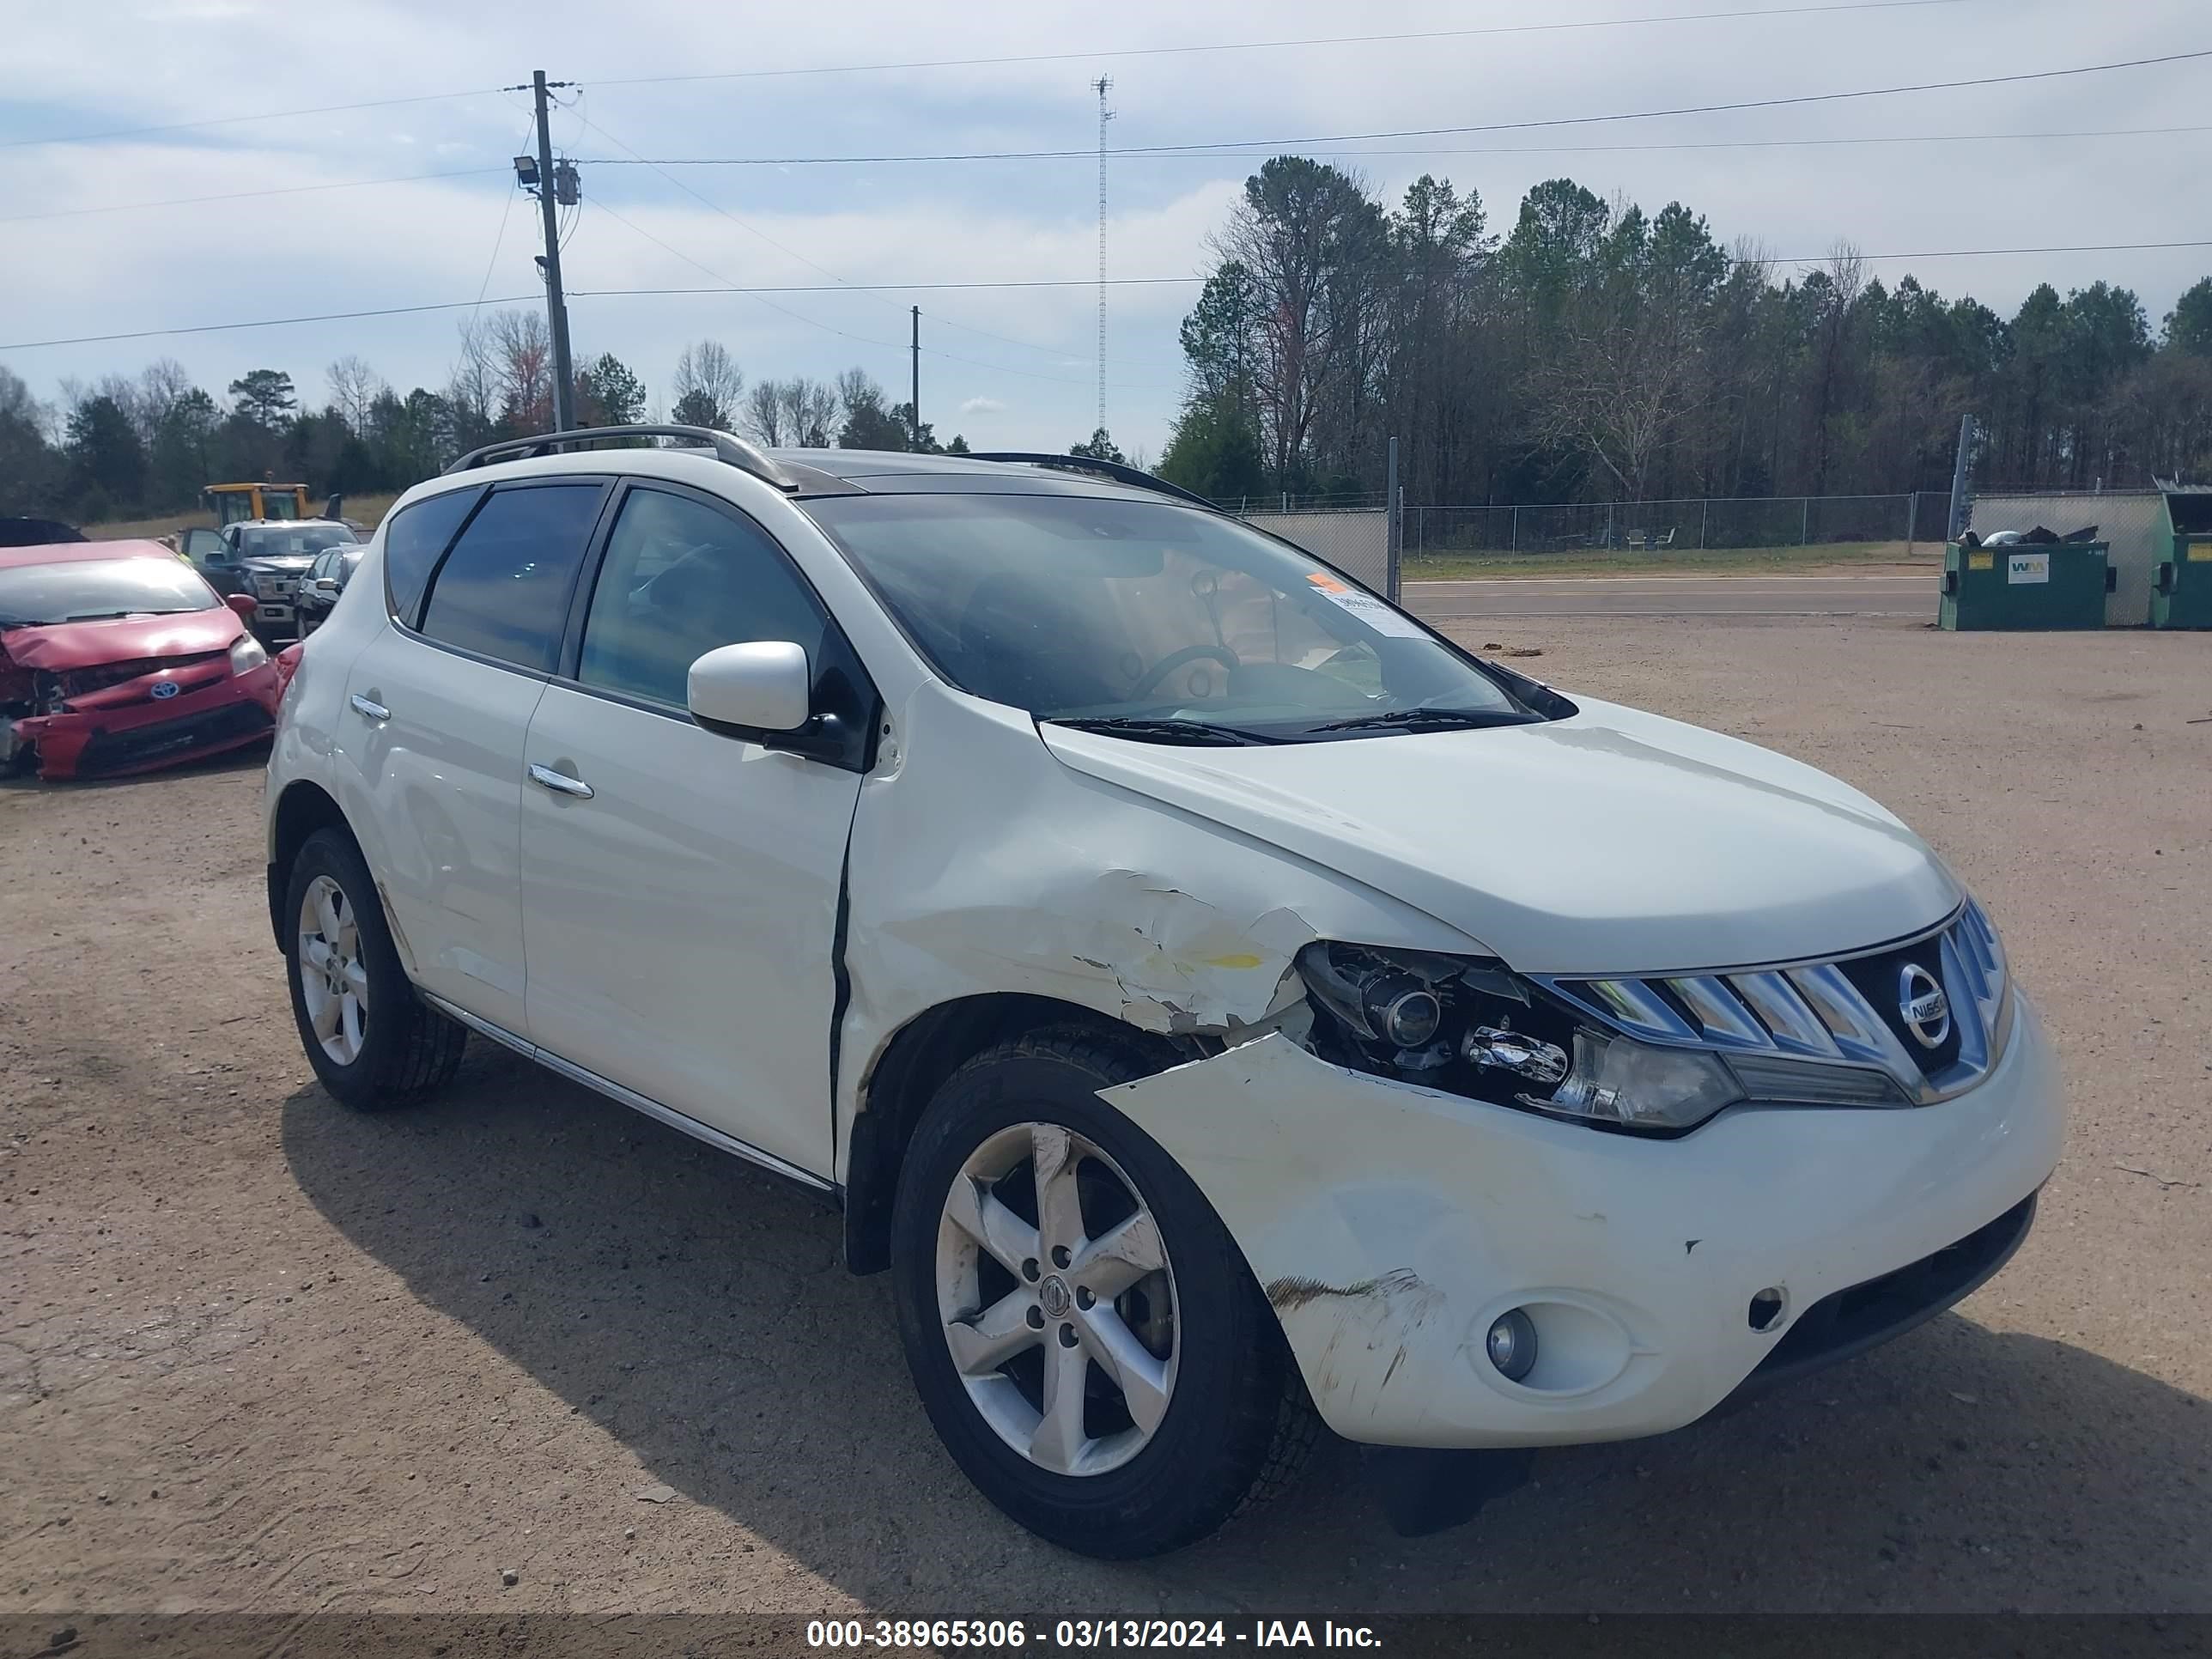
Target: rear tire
<point x="373" y="1043"/>
<point x="1191" y="1407"/>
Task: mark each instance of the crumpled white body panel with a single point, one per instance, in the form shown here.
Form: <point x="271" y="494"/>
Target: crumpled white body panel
<point x="981" y="865"/>
<point x="1389" y="1225"/>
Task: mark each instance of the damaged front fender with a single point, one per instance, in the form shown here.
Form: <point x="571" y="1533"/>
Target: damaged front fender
<point x="983" y="866"/>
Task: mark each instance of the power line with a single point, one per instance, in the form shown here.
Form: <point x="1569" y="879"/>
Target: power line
<point x="1016" y="282"/>
<point x="1216" y="145"/>
<point x="1986" y="253"/>
<point x="1032" y="58"/>
<point x="262" y="322"/>
<point x="1207" y="153"/>
<point x="1160" y="282"/>
<point x="499" y="239"/>
<point x="791" y="252"/>
<point x="1281" y="45"/>
<point x="233" y="120"/>
<point x="1480" y="149"/>
<point x="248" y="195"/>
<point x="875" y="288"/>
<point x="761" y="293"/>
<point x="731" y="287"/>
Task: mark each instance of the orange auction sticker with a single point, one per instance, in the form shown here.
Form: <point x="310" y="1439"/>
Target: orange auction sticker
<point x="1370" y="610"/>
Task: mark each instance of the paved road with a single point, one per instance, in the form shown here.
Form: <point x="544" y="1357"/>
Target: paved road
<point x="1886" y="593"/>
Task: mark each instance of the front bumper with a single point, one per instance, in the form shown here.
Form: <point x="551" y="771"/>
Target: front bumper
<point x="1391" y="1226"/>
<point x="125" y="729"/>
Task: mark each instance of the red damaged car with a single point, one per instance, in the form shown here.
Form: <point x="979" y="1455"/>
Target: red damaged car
<point x="117" y="656"/>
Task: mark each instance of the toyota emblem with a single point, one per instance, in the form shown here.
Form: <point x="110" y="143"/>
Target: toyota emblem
<point x="1922" y="1005"/>
<point x="164" y="688"/>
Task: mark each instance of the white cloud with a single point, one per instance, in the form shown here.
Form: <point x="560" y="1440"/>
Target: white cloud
<point x="1017" y="363"/>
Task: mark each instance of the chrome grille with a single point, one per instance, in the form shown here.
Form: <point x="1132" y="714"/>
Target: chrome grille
<point x="1814" y="1011"/>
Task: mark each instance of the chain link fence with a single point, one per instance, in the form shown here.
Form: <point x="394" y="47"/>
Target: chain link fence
<point x="2133" y="522"/>
<point x="1676" y="525"/>
<point x="1357" y="542"/>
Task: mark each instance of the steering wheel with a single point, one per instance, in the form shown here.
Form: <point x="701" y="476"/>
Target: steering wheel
<point x="1174" y="660"/>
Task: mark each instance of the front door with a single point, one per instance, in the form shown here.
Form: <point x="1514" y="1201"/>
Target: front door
<point x="681" y="889"/>
<point x="435" y="719"/>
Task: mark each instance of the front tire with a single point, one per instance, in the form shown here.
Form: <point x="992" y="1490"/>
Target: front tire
<point x="1085" y="1336"/>
<point x="373" y="1043"/>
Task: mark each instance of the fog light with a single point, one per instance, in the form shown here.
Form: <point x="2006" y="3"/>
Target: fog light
<point x="1512" y="1345"/>
<point x="1403" y="1015"/>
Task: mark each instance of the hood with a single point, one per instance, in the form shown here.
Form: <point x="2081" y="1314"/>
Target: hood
<point x="125" y="639"/>
<point x="287" y="562"/>
<point x="1610" y="842"/>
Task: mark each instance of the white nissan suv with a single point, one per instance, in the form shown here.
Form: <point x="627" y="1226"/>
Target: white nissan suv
<point x="1226" y="1007"/>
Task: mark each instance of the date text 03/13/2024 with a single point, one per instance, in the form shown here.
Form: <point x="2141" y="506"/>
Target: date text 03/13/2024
<point x="1085" y="1633"/>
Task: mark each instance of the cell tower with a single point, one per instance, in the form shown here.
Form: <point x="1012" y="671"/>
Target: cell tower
<point x="1102" y="85"/>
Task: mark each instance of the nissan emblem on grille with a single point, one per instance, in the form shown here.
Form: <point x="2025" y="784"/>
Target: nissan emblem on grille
<point x="1922" y="1005"/>
<point x="163" y="688"/>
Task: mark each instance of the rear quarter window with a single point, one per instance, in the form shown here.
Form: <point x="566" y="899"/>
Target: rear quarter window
<point x="502" y="591"/>
<point x="413" y="540"/>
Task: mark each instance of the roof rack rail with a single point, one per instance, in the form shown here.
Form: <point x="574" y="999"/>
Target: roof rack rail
<point x="727" y="448"/>
<point x="1114" y="469"/>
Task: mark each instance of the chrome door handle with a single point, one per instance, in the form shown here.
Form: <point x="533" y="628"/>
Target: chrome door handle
<point x="368" y="710"/>
<point x="560" y="783"/>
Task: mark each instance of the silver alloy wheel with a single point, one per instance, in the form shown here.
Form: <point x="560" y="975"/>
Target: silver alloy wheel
<point x="1066" y="1341"/>
<point x="333" y="978"/>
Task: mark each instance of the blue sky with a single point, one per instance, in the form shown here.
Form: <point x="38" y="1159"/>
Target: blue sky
<point x="1011" y="368"/>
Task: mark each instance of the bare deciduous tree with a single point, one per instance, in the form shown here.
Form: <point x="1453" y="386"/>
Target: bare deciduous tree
<point x="355" y="388"/>
<point x="763" y="416"/>
<point x="472" y="392"/>
<point x="1621" y="394"/>
<point x="522" y="364"/>
<point x="810" y="413"/>
<point x="707" y="384"/>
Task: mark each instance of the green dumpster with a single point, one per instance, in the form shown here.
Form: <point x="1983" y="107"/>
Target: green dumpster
<point x="2181" y="585"/>
<point x="2026" y="584"/>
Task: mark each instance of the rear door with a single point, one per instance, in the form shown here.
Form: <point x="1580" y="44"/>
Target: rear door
<point x="437" y="708"/>
<point x="681" y="889"/>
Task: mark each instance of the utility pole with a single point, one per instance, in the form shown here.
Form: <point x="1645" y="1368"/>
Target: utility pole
<point x="1102" y="85"/>
<point x="1392" y="533"/>
<point x="914" y="407"/>
<point x="1959" y="507"/>
<point x="556" y="306"/>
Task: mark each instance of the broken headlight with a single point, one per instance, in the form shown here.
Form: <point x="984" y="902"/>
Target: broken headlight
<point x="1476" y="1028"/>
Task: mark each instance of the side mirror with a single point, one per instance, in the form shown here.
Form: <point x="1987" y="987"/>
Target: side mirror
<point x="763" y="685"/>
<point x="326" y="584"/>
<point x="243" y="603"/>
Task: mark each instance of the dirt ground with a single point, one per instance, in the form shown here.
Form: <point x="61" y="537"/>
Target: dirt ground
<point x="257" y="1353"/>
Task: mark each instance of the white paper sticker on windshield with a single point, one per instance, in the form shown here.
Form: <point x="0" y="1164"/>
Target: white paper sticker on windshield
<point x="1365" y="606"/>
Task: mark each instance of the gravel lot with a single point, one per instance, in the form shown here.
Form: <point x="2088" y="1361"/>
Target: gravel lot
<point x="257" y="1353"/>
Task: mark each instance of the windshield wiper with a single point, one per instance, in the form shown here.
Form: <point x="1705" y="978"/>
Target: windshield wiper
<point x="1162" y="730"/>
<point x="1428" y="719"/>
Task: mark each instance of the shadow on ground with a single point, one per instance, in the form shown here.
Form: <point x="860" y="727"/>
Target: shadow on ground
<point x="697" y="1310"/>
<point x="253" y="758"/>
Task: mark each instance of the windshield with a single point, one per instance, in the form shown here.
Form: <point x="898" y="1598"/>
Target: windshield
<point x="301" y="542"/>
<point x="87" y="590"/>
<point x="1159" y="622"/>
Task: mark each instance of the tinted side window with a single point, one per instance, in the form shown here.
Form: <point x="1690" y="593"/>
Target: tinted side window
<point x="679" y="578"/>
<point x="413" y="541"/>
<point x="504" y="588"/>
